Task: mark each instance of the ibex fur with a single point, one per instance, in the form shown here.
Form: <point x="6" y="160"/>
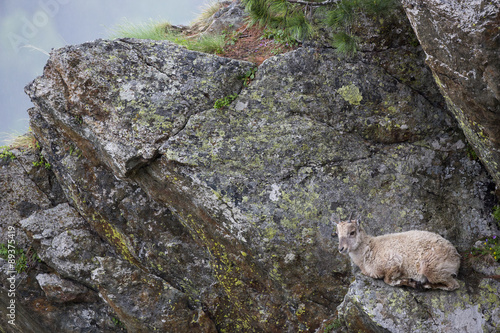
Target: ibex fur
<point x="413" y="258"/>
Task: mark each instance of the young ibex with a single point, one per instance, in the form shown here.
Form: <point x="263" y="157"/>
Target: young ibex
<point x="413" y="258"/>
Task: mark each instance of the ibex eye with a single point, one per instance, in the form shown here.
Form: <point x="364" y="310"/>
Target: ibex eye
<point x="334" y="235"/>
<point x="352" y="233"/>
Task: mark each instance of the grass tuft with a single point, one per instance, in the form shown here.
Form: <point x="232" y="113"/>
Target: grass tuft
<point x="299" y="27"/>
<point x="345" y="43"/>
<point x="279" y="15"/>
<point x="149" y="30"/>
<point x="208" y="43"/>
<point x="17" y="140"/>
<point x="207" y="11"/>
<point x="259" y="12"/>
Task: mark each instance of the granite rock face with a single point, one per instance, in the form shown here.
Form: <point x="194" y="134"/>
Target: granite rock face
<point x="172" y="215"/>
<point x="45" y="301"/>
<point x="461" y="40"/>
<point x="373" y="306"/>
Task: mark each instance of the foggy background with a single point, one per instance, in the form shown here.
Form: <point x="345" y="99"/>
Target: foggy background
<point x="29" y="29"/>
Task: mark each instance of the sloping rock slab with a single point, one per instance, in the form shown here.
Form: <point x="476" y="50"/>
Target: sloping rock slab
<point x="373" y="306"/>
<point x="132" y="94"/>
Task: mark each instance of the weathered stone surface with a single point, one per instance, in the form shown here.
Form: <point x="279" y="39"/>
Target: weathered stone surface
<point x="145" y="302"/>
<point x="461" y="40"/>
<point x="117" y="101"/>
<point x="66" y="242"/>
<point x="372" y="306"/>
<point x="230" y="17"/>
<point x="181" y="217"/>
<point x="26" y="190"/>
<point x="60" y="290"/>
<point x="225" y="212"/>
<point x="21" y="196"/>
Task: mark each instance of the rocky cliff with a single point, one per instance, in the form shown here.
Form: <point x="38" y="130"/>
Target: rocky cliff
<point x="158" y="212"/>
<point x="461" y="40"/>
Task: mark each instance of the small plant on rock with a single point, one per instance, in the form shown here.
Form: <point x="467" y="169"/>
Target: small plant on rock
<point x="489" y="246"/>
<point x="248" y="77"/>
<point x="150" y="30"/>
<point x="225" y="101"/>
<point x="24" y="259"/>
<point x="496" y="214"/>
<point x="117" y="322"/>
<point x="6" y="154"/>
<point x="42" y="162"/>
<point x="345" y="43"/>
<point x="208" y="43"/>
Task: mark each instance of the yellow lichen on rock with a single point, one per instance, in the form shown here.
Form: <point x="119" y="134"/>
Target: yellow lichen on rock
<point x="351" y="94"/>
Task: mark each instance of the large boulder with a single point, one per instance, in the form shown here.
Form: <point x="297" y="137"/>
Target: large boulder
<point x="226" y="212"/>
<point x="461" y="40"/>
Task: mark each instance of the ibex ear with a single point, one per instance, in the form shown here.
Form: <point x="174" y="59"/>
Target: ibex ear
<point x="358" y="222"/>
<point x="334" y="232"/>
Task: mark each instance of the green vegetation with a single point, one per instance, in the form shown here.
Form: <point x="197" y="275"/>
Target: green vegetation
<point x="78" y="120"/>
<point x="344" y="16"/>
<point x="333" y="325"/>
<point x="496" y="213"/>
<point x="42" y="163"/>
<point x="279" y="36"/>
<point x="345" y="43"/>
<point x="471" y="154"/>
<point x="150" y="30"/>
<point x="285" y="21"/>
<point x="73" y="151"/>
<point x="24" y="260"/>
<point x="3" y="251"/>
<point x="249" y="76"/>
<point x="6" y="154"/>
<point x="223" y="102"/>
<point x="117" y="322"/>
<point x="22" y="141"/>
<point x="295" y="21"/>
<point x="281" y="18"/>
<point x="489" y="246"/>
<point x="209" y="43"/>
<point x="17" y="141"/>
